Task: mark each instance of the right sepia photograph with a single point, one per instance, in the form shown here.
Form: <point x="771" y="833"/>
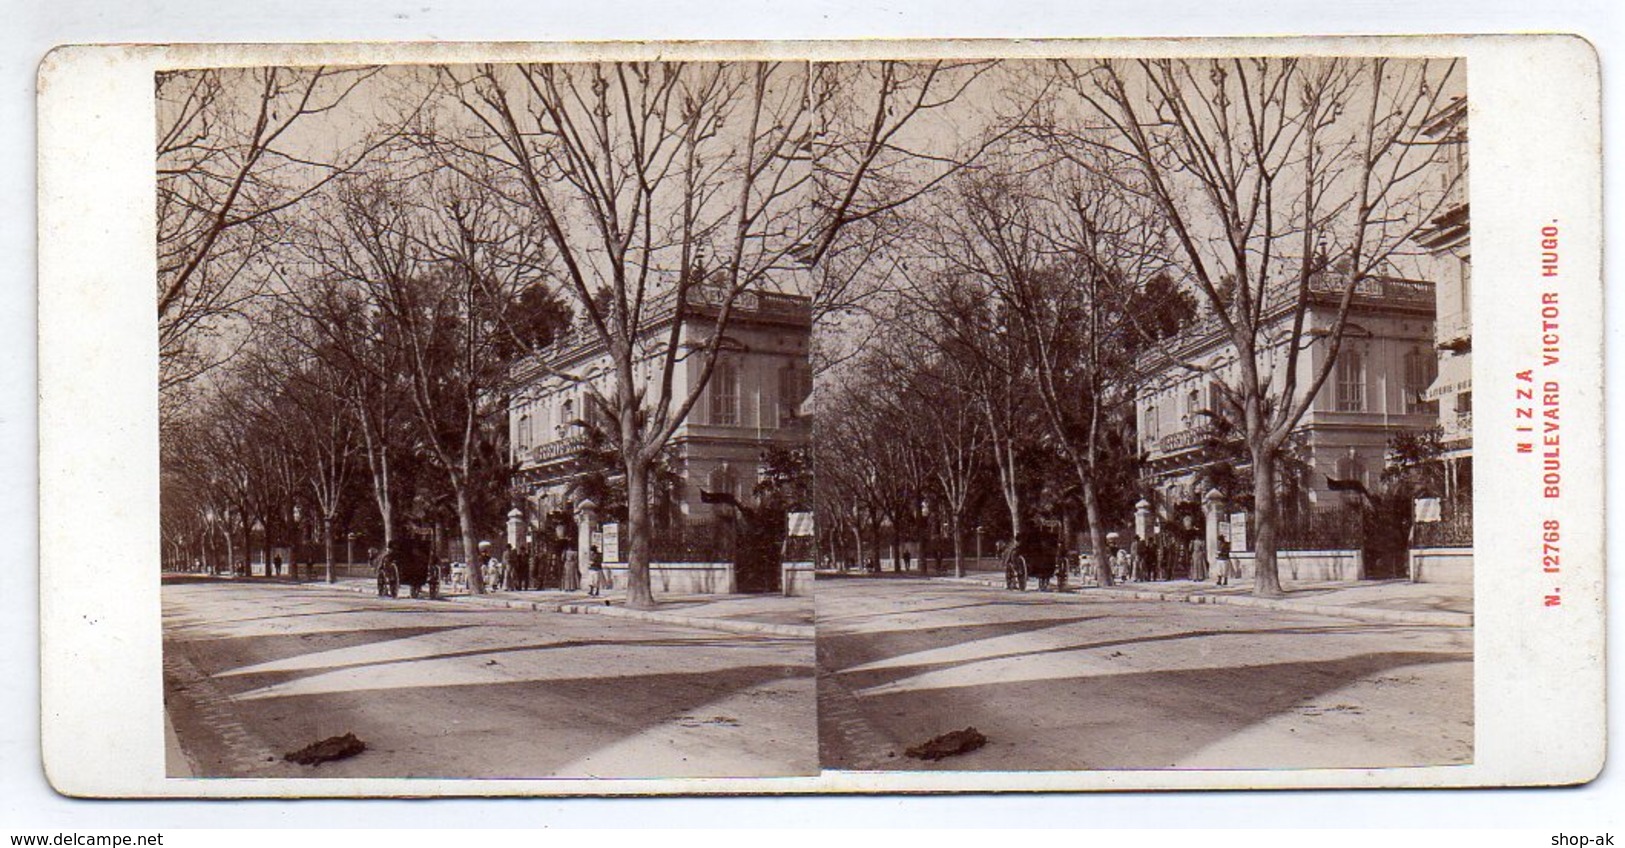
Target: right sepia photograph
<point x="1142" y="415"/>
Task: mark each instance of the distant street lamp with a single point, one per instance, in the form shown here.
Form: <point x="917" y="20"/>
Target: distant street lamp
<point x="248" y="555"/>
<point x="208" y="547"/>
<point x="349" y="554"/>
<point x="886" y="527"/>
<point x="925" y="533"/>
<point x="978" y="550"/>
<point x="298" y="541"/>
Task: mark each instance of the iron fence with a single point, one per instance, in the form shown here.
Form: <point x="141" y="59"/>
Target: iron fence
<point x="1454" y="529"/>
<point x="712" y="542"/>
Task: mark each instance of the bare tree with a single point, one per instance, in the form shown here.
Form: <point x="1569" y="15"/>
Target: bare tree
<point x="938" y="419"/>
<point x="327" y="324"/>
<point x="442" y="270"/>
<point x="1063" y="262"/>
<point x="861" y="455"/>
<point x="976" y="338"/>
<point x="889" y="134"/>
<point x="661" y="185"/>
<point x="230" y="164"/>
<point x="308" y="398"/>
<point x="1280" y="179"/>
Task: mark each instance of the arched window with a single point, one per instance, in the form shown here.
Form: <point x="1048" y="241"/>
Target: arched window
<point x="725" y="394"/>
<point x="1350" y="381"/>
<point x="1152" y="431"/>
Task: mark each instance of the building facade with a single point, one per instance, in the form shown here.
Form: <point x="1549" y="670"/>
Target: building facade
<point x="749" y="405"/>
<point x="1376" y="389"/>
<point x="1447" y="240"/>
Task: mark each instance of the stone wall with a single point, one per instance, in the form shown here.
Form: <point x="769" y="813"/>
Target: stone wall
<point x="1442" y="565"/>
<point x="681" y="578"/>
<point x="797" y="578"/>
<point x="1296" y="566"/>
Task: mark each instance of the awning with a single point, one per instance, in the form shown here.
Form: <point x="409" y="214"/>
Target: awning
<point x="1455" y="377"/>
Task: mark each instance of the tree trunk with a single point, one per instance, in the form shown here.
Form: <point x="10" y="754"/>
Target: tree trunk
<point x="1097" y="533"/>
<point x="327" y="545"/>
<point x="1011" y="494"/>
<point x="924" y="542"/>
<point x="1266" y="579"/>
<point x="265" y="552"/>
<point x="639" y="530"/>
<point x="465" y="523"/>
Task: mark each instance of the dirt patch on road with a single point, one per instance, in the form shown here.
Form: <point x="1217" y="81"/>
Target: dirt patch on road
<point x="950" y="744"/>
<point x="327" y="750"/>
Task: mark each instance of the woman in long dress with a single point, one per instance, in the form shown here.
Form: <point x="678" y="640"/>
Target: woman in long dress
<point x="1198" y="559"/>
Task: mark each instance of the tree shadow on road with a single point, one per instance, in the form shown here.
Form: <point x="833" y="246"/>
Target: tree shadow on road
<point x="1155" y="720"/>
<point x="845" y="650"/>
<point x="554" y="727"/>
<point x="955" y="636"/>
<point x="917" y="605"/>
<point x="237" y="683"/>
<point x="214" y="655"/>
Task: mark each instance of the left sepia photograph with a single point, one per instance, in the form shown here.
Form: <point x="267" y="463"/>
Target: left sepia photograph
<point x="483" y="417"/>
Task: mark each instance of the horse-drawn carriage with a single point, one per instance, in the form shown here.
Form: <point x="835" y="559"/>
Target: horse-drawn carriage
<point x="1035" y="554"/>
<point x="409" y="562"/>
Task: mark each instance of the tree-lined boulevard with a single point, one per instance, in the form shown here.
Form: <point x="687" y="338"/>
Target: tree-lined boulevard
<point x="352" y="260"/>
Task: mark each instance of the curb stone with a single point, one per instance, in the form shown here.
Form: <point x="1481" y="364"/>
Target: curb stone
<point x="1387" y="616"/>
<point x="749" y="628"/>
<point x="755" y="628"/>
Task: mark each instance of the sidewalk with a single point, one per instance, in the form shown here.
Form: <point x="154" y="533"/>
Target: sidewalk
<point x="762" y="615"/>
<point x="1394" y="601"/>
<point x="754" y="615"/>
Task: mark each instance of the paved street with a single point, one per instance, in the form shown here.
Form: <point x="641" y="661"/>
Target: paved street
<point x="1068" y="682"/>
<point x="442" y="689"/>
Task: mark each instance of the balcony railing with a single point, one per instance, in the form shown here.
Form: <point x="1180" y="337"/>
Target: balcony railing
<point x="751" y="302"/>
<point x="1387" y="289"/>
<point x="708" y="298"/>
<point x="1187" y="438"/>
<point x="557" y="449"/>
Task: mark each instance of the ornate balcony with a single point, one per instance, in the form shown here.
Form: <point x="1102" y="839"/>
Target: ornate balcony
<point x="558" y="449"/>
<point x="1181" y="440"/>
<point x="1386" y="290"/>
